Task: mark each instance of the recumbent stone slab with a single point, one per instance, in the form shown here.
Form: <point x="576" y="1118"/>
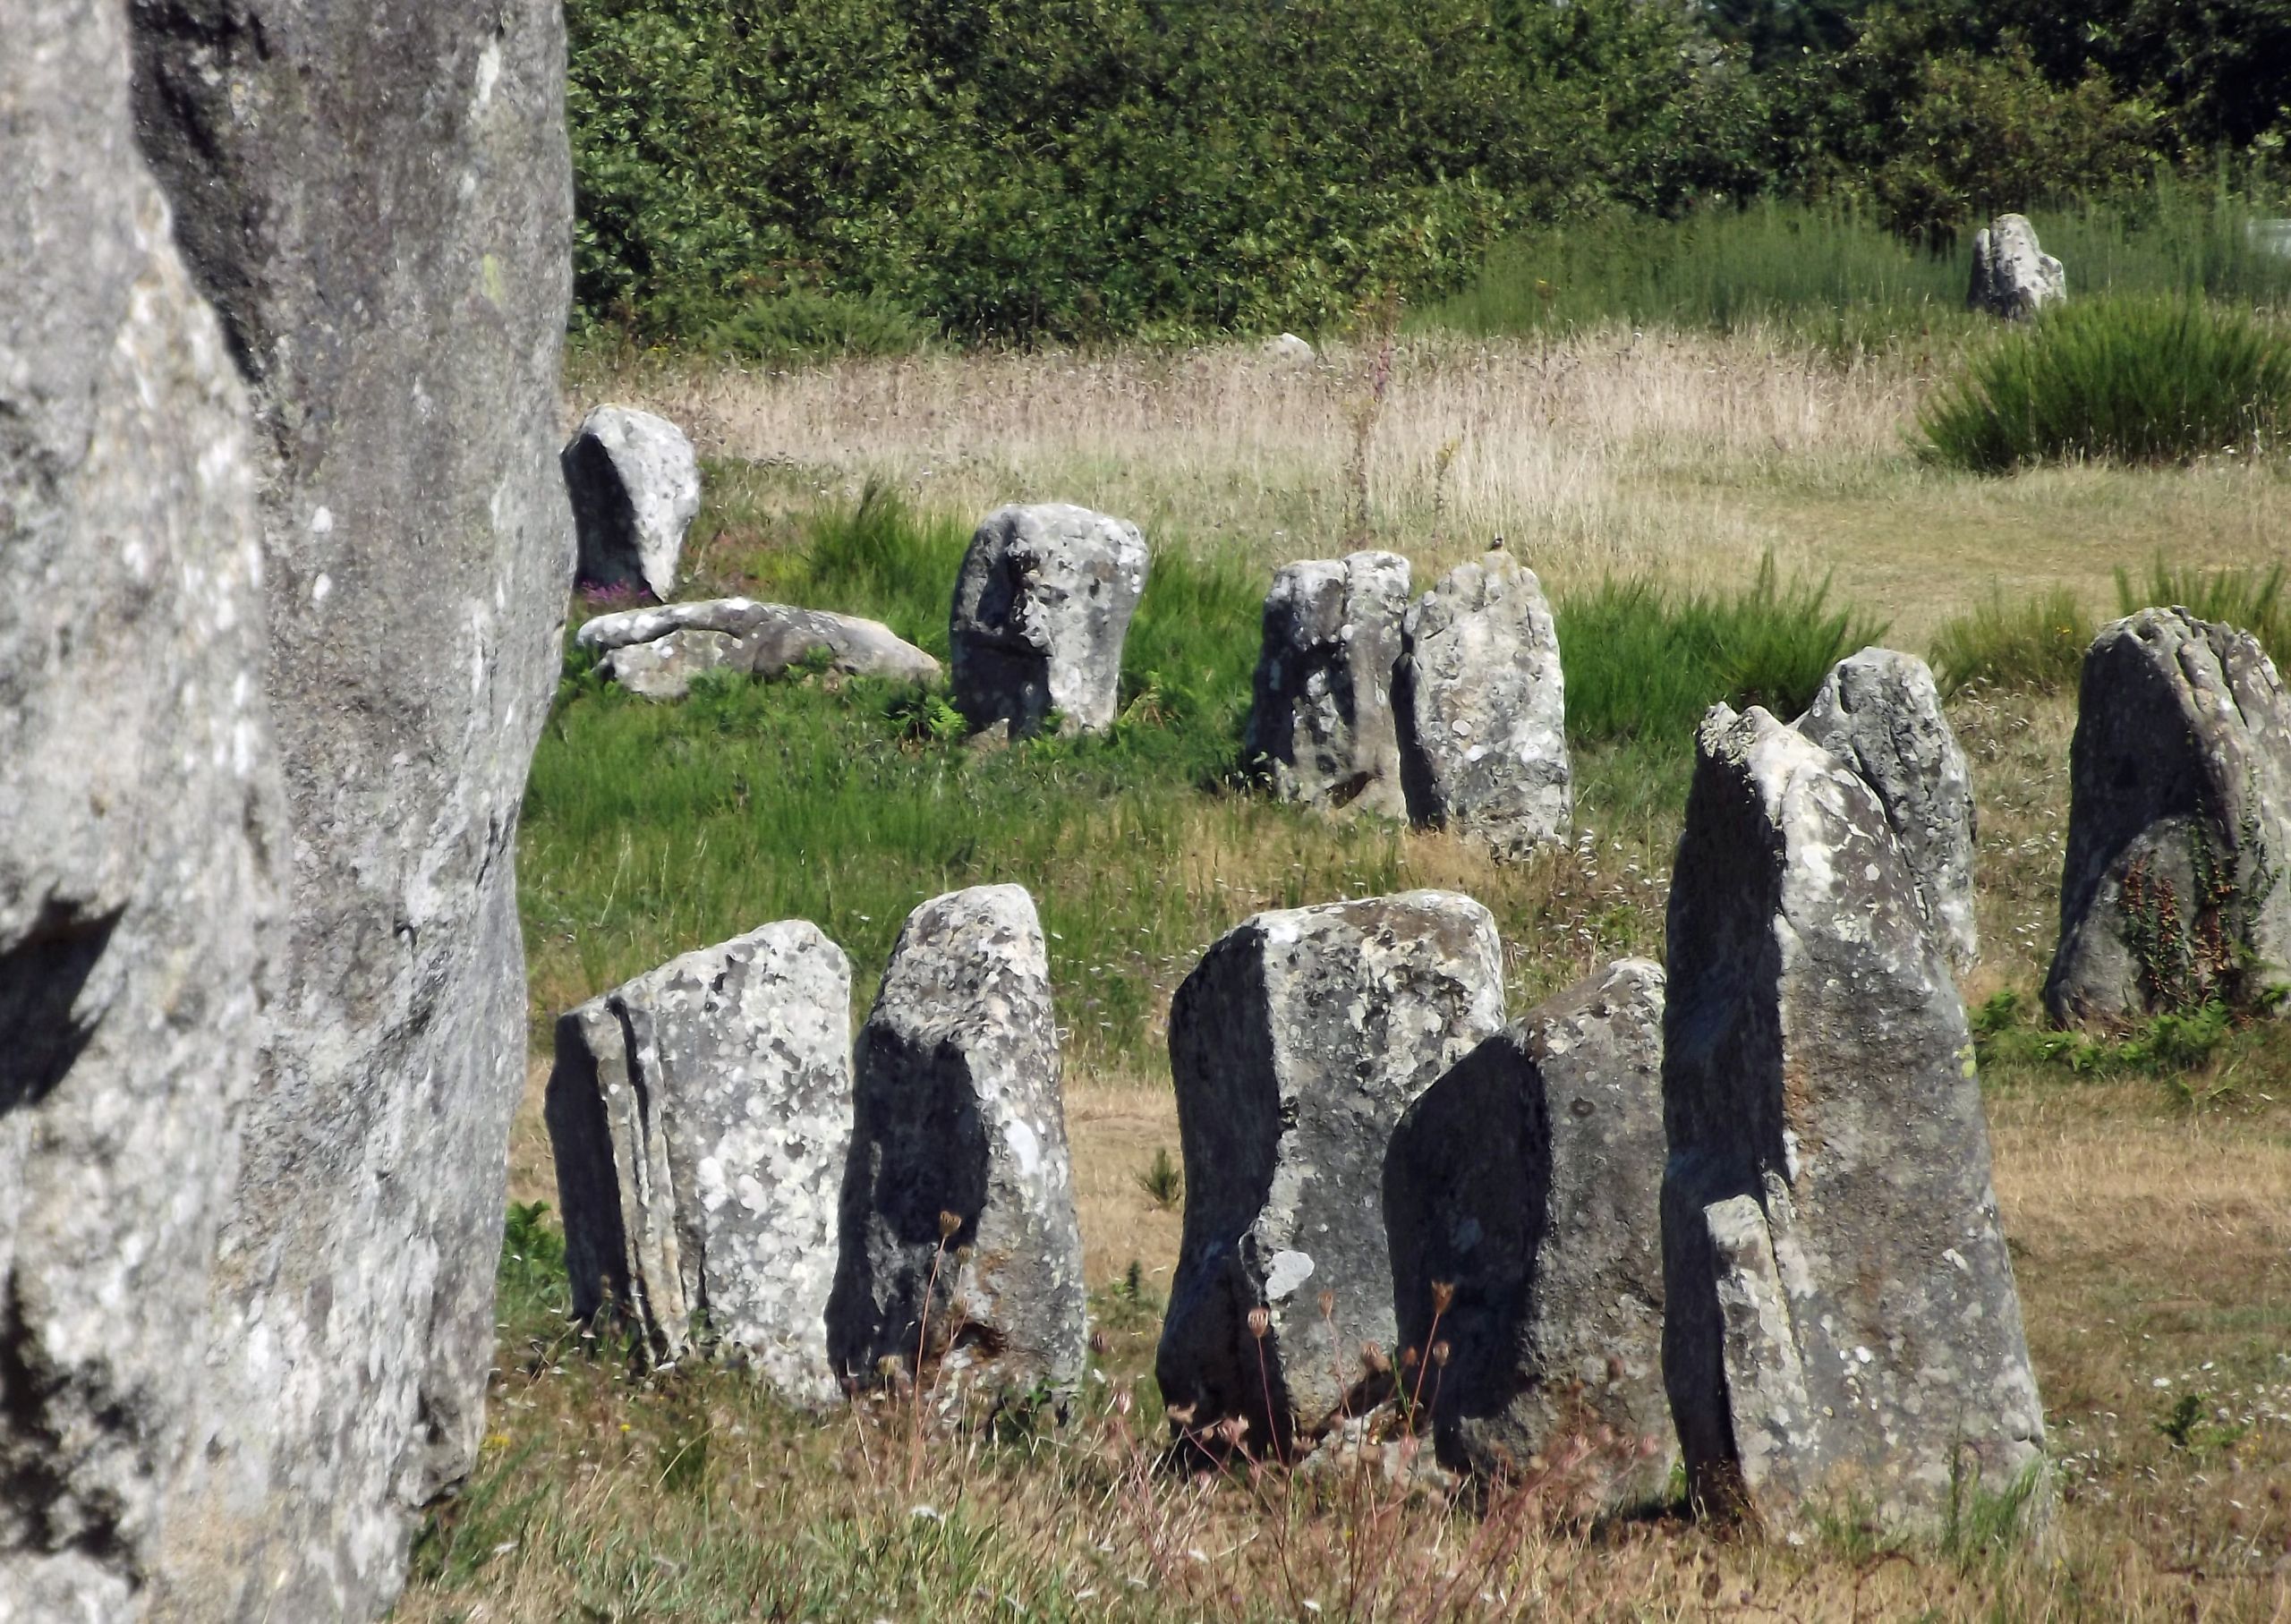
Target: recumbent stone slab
<point x="1320" y="727"/>
<point x="2179" y="823"/>
<point x="1295" y="1045"/>
<point x="1526" y="1183"/>
<point x="1842" y="1330"/>
<point x="1042" y="607"/>
<point x="701" y="1118"/>
<point x="634" y="483"/>
<point x="959" y="1238"/>
<point x="1482" y="710"/>
<point x="761" y="638"/>
<point x="1879" y="712"/>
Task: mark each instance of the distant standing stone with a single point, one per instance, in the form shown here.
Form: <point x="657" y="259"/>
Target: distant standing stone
<point x="1482" y="710"/>
<point x="1288" y="348"/>
<point x="1295" y="1045"/>
<point x="1321" y="728"/>
<point x="2179" y="823"/>
<point x="1527" y="1184"/>
<point x="2012" y="277"/>
<point x="1842" y="1325"/>
<point x="701" y="1118"/>
<point x="1042" y="607"/>
<point x="1879" y="713"/>
<point x="960" y="1194"/>
<point x="635" y="486"/>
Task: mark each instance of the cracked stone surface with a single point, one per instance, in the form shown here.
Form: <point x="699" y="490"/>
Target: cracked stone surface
<point x="635" y="485"/>
<point x="656" y="652"/>
<point x="700" y="1119"/>
<point x="1042" y="605"/>
<point x="1879" y="712"/>
<point x="1842" y="1321"/>
<point x="1528" y="1181"/>
<point x="1482" y="710"/>
<point x="140" y="832"/>
<point x="1322" y="729"/>
<point x="959" y="1118"/>
<point x="2012" y="277"/>
<point x="2179" y="808"/>
<point x="1295" y="1045"/>
<point x="378" y="201"/>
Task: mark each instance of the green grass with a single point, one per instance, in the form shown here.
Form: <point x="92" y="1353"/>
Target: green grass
<point x="2034" y="645"/>
<point x="2249" y="599"/>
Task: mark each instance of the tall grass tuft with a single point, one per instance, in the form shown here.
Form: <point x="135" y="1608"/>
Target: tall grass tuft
<point x="2133" y="380"/>
<point x="2033" y="645"/>
<point x="2249" y="599"/>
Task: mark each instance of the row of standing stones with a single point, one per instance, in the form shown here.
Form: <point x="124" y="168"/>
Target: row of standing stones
<point x="1737" y="1219"/>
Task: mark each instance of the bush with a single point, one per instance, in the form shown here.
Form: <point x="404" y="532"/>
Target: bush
<point x="2122" y="379"/>
<point x="2036" y="645"/>
<point x="802" y="324"/>
<point x="2249" y="599"/>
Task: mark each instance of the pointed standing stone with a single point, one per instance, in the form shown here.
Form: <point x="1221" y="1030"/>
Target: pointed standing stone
<point x="1321" y="726"/>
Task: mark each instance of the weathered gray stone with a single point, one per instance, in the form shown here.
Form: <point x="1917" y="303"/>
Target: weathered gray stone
<point x="2179" y="823"/>
<point x="656" y="652"/>
<point x="1482" y="710"/>
<point x="960" y="1194"/>
<point x="1526" y="1187"/>
<point x="140" y="821"/>
<point x="635" y="486"/>
<point x="1042" y="607"/>
<point x="1842" y="1329"/>
<point x="701" y="1118"/>
<point x="1287" y="349"/>
<point x="664" y="667"/>
<point x="1295" y="1045"/>
<point x="1879" y="713"/>
<point x="1321" y="728"/>
<point x="378" y="201"/>
<point x="2012" y="277"/>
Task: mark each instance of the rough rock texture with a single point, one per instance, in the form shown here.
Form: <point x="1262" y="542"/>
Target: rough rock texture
<point x="1296" y="1044"/>
<point x="139" y="820"/>
<point x="1528" y="1181"/>
<point x="1042" y="607"/>
<point x="2179" y="823"/>
<point x="960" y="1114"/>
<point x="1287" y="349"/>
<point x="657" y="652"/>
<point x="2012" y="277"/>
<point x="1482" y="710"/>
<point x="700" y="1117"/>
<point x="1841" y="1323"/>
<point x="1320" y="727"/>
<point x="1879" y="713"/>
<point x="378" y="201"/>
<point x="635" y="486"/>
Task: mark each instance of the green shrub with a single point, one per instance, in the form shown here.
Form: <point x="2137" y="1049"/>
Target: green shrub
<point x="2249" y="599"/>
<point x="2121" y="379"/>
<point x="803" y="324"/>
<point x="2033" y="645"/>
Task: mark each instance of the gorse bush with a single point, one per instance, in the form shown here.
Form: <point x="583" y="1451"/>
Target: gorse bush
<point x="2123" y="380"/>
<point x="2035" y="644"/>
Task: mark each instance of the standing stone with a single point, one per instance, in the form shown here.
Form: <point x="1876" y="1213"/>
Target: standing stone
<point x="1879" y="713"/>
<point x="701" y="1118"/>
<point x="1482" y="710"/>
<point x="1288" y="350"/>
<point x="2179" y="823"/>
<point x="960" y="1194"/>
<point x="1843" y="1332"/>
<point x="635" y="486"/>
<point x="1321" y="728"/>
<point x="378" y="199"/>
<point x="2012" y="277"/>
<point x="139" y="820"/>
<point x="1526" y="1186"/>
<point x="1295" y="1045"/>
<point x="1042" y="607"/>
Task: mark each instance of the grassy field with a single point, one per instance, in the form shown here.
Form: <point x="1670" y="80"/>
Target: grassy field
<point x="2150" y="1208"/>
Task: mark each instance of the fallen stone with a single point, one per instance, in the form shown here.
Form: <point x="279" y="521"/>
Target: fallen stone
<point x="774" y="636"/>
<point x="1523" y="1200"/>
<point x="2179" y="824"/>
<point x="1321" y="728"/>
<point x="1289" y="349"/>
<point x="1042" y="607"/>
<point x="2012" y="277"/>
<point x="701" y="1120"/>
<point x="1879" y="713"/>
<point x="664" y="667"/>
<point x="1842" y="1331"/>
<point x="959" y="1233"/>
<point x="1482" y="710"/>
<point x="377" y="200"/>
<point x="1295" y="1045"/>
<point x="635" y="486"/>
<point x="141" y="822"/>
